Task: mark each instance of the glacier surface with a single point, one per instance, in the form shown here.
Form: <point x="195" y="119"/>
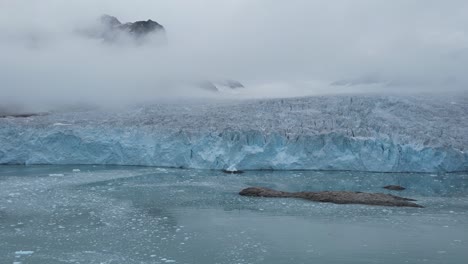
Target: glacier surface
<point x="358" y="132"/>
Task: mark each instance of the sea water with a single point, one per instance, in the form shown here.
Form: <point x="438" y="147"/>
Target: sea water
<point x="109" y="214"/>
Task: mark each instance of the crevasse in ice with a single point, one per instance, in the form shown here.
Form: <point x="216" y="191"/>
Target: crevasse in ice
<point x="365" y="133"/>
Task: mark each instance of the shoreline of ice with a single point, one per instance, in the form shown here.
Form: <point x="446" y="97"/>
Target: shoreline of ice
<point x="356" y="133"/>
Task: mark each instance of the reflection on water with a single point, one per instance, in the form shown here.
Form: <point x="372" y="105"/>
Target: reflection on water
<point x="105" y="214"/>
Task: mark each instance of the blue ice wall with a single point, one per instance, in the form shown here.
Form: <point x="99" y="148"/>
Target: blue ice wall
<point x="361" y="133"/>
<point x="250" y="150"/>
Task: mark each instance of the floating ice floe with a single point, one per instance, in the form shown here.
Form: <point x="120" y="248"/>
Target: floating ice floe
<point x="24" y="252"/>
<point x="56" y="175"/>
<point x="61" y="124"/>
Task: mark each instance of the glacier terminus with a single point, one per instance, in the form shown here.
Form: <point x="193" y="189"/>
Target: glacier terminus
<point x="380" y="133"/>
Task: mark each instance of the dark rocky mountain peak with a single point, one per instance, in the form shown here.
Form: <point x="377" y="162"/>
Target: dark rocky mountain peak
<point x="110" y="29"/>
<point x="140" y="28"/>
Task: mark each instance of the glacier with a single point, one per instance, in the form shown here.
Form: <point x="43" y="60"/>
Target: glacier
<point x="380" y="133"/>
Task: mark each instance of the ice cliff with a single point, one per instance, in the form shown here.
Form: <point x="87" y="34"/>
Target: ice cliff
<point x="365" y="133"/>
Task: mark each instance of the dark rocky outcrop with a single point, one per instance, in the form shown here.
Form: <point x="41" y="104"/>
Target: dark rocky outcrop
<point x="207" y="85"/>
<point x="19" y="114"/>
<point x="25" y="115"/>
<point x="218" y="86"/>
<point x="141" y="28"/>
<point x="233" y="84"/>
<point x="17" y="111"/>
<point x="233" y="171"/>
<point x="394" y="187"/>
<point x="337" y="197"/>
<point x="111" y="29"/>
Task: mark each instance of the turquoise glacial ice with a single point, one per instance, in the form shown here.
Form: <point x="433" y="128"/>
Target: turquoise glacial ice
<point x="359" y="133"/>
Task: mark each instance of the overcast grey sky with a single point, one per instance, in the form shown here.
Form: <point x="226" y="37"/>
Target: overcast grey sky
<point x="276" y="48"/>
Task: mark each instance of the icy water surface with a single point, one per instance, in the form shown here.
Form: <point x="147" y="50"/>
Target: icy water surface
<point x="96" y="214"/>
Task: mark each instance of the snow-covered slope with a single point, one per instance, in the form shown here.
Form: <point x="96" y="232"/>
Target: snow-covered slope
<point x="367" y="133"/>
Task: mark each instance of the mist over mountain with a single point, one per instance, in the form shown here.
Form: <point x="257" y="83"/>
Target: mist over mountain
<point x="275" y="49"/>
<point x="109" y="29"/>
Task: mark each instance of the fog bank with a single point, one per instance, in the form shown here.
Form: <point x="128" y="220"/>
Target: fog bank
<point x="275" y="48"/>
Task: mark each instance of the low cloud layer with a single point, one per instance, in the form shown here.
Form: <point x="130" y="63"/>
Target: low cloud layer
<point x="276" y="48"/>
